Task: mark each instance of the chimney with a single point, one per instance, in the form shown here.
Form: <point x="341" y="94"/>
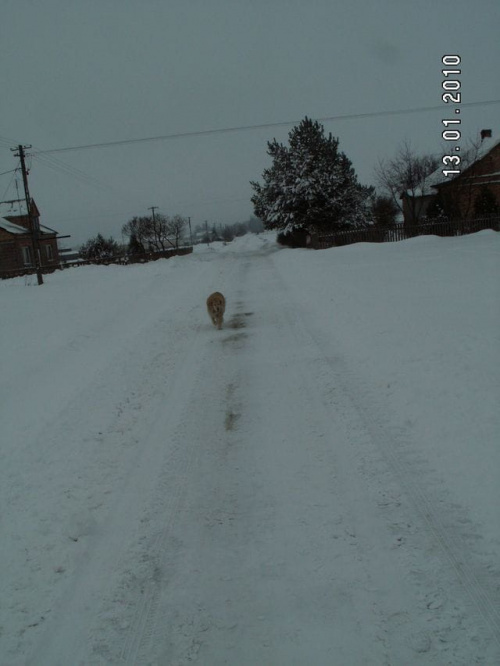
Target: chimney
<point x="485" y="134"/>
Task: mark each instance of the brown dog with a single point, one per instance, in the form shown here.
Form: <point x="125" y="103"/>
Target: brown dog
<point x="216" y="306"/>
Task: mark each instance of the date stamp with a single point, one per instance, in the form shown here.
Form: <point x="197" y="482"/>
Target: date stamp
<point x="452" y="94"/>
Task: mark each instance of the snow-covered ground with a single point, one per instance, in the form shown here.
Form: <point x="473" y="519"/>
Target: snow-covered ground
<point x="316" y="484"/>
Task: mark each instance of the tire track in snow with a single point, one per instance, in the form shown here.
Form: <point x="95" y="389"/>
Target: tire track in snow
<point x="146" y="634"/>
<point x="273" y="536"/>
<point x="72" y="635"/>
<point x="154" y="617"/>
<point x="480" y="588"/>
<point x="477" y="584"/>
<point x="366" y="425"/>
<point x="409" y="630"/>
<point x="136" y="649"/>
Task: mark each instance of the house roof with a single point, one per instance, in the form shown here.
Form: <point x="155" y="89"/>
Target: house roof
<point x="19" y="230"/>
<point x="15" y="209"/>
<point x="469" y="158"/>
<point x="12" y="228"/>
<point x="436" y="178"/>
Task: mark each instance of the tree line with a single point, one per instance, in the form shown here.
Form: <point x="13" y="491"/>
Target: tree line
<point x="162" y="232"/>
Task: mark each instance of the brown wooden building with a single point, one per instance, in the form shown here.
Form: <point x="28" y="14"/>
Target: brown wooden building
<point x="16" y="240"/>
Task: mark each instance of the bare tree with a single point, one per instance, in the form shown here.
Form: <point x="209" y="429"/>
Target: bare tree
<point x="405" y="179"/>
<point x="159" y="232"/>
<point x="149" y="233"/>
<point x="177" y="225"/>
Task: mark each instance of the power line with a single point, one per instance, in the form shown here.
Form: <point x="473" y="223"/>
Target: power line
<point x="61" y="167"/>
<point x="10" y="183"/>
<point x="182" y="135"/>
<point x="67" y="170"/>
<point x="4" y="172"/>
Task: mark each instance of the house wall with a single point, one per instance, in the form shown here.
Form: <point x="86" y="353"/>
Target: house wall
<point x="9" y="259"/>
<point x="11" y="253"/>
<point x="8" y="256"/>
<point x="55" y="252"/>
<point x="4" y="235"/>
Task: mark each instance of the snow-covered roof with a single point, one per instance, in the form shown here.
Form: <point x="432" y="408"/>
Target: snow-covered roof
<point x="485" y="147"/>
<point x="469" y="157"/>
<point x="18" y="229"/>
<point x="12" y="228"/>
<point x="435" y="178"/>
<point x="13" y="208"/>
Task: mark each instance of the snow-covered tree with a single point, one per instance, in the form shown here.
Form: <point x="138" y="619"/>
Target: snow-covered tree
<point x="99" y="248"/>
<point x="311" y="185"/>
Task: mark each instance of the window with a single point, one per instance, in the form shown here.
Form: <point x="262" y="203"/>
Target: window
<point x="27" y="256"/>
<point x="48" y="253"/>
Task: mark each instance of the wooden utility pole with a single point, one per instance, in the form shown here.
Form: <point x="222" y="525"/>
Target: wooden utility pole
<point x="32" y="223"/>
<point x="190" y="232"/>
<point x="153" y="208"/>
<point x="157" y="233"/>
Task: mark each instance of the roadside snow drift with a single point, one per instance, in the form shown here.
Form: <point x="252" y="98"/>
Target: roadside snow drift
<point x="317" y="483"/>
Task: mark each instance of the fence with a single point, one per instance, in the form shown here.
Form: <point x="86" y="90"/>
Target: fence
<point x="382" y="235"/>
<point x="122" y="261"/>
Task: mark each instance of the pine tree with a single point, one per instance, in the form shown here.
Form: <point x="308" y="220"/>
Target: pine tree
<point x="135" y="246"/>
<point x="311" y="185"/>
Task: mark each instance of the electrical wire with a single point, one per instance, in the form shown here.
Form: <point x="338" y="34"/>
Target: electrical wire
<point x="10" y="183"/>
<point x="57" y="165"/>
<point x="67" y="170"/>
<point x="5" y="172"/>
<point x="47" y="158"/>
<point x="182" y="135"/>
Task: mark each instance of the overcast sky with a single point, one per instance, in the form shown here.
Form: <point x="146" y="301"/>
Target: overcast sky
<point x="94" y="71"/>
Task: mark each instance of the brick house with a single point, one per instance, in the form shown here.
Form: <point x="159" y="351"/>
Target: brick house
<point x="16" y="241"/>
<point x="458" y="195"/>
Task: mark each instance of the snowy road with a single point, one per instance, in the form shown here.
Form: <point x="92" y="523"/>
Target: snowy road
<point x="183" y="495"/>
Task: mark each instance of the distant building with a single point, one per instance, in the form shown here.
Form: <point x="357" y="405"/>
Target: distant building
<point x="16" y="240"/>
<point x="68" y="255"/>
